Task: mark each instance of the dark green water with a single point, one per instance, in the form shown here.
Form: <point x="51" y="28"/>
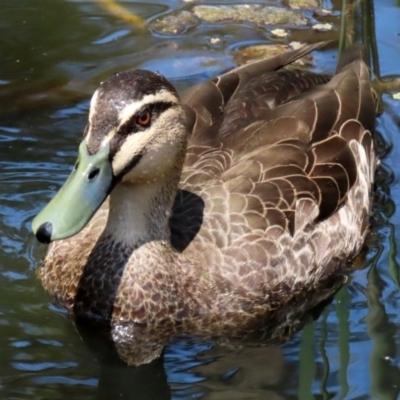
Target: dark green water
<point x="53" y="53"/>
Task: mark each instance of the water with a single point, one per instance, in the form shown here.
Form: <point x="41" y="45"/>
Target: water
<point x="53" y="53"/>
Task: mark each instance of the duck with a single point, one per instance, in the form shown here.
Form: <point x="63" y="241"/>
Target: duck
<point x="217" y="208"/>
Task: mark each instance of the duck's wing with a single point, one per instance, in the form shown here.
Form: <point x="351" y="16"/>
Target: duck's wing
<point x="219" y="108"/>
<point x="229" y="102"/>
<point x="291" y="168"/>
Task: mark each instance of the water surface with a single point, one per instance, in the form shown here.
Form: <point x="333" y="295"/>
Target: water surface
<point x="53" y="54"/>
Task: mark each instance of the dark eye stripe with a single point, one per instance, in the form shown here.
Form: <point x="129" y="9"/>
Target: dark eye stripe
<point x="130" y="127"/>
<point x="155" y="109"/>
<point x="132" y="164"/>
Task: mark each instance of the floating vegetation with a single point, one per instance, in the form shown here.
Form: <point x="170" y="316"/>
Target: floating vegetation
<point x="323" y="27"/>
<point x="175" y="23"/>
<point x="279" y="33"/>
<point x="180" y="21"/>
<point x="307" y="4"/>
<point x="261" y="51"/>
<point x="254" y="13"/>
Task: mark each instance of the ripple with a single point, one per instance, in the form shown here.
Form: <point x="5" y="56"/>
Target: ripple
<point x="64" y="380"/>
<point x="112" y="37"/>
<point x="42" y="366"/>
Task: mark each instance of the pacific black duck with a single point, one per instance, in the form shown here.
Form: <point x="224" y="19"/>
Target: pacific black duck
<point x="213" y="209"/>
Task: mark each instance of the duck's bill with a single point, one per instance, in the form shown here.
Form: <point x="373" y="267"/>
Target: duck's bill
<point x="78" y="199"/>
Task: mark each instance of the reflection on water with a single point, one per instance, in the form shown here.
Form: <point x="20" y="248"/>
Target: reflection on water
<point x="53" y="53"/>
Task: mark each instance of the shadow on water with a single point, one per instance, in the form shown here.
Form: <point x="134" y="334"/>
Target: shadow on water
<point x="385" y="376"/>
<point x="116" y="379"/>
<point x="248" y="370"/>
<point x="53" y="54"/>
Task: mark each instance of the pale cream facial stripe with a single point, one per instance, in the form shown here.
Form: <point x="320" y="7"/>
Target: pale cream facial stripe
<point x="92" y="110"/>
<point x="135" y="144"/>
<point x="93" y="102"/>
<point x="130" y="109"/>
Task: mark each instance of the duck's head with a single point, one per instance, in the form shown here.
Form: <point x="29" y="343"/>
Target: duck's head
<point x="135" y="132"/>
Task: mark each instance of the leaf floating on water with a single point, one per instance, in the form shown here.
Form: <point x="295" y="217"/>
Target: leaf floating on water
<point x="216" y="41"/>
<point x="279" y="33"/>
<point x="323" y="27"/>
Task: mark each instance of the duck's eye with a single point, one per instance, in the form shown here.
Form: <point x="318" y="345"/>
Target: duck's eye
<point x="143" y="118"/>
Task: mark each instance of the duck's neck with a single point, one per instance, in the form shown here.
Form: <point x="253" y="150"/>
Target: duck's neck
<point x="139" y="213"/>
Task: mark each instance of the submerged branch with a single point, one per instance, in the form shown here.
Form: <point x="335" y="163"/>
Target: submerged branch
<point x="122" y="13"/>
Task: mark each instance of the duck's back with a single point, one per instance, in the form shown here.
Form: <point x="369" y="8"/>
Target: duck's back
<point x="276" y="187"/>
